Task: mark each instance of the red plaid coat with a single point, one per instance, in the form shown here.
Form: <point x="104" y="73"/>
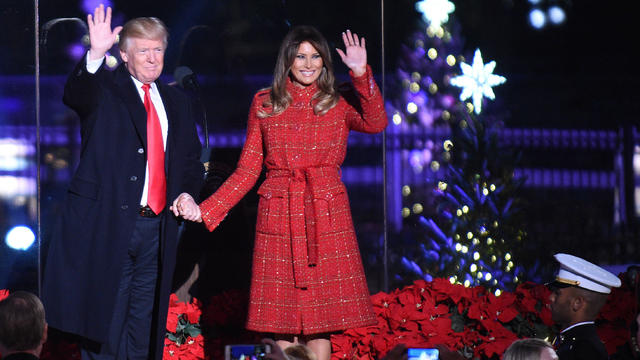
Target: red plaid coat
<point x="307" y="274"/>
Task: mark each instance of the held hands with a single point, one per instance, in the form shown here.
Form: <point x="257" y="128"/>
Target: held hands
<point x="185" y="207"/>
<point x="100" y="34"/>
<point x="355" y="54"/>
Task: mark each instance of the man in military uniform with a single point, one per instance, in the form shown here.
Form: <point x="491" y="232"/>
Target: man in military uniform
<point x="578" y="293"/>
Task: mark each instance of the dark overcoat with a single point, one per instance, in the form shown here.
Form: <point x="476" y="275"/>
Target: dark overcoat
<point x="92" y="234"/>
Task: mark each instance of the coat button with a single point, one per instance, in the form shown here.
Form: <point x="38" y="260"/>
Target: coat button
<point x="140" y="151"/>
<point x="124" y="207"/>
<point x="133" y="178"/>
<point x="327" y="196"/>
<point x="268" y="195"/>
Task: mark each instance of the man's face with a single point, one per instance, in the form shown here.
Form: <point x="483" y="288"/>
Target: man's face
<point x="144" y="58"/>
<point x="560" y="305"/>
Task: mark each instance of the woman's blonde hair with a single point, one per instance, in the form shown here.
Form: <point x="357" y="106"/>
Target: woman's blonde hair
<point x="279" y="99"/>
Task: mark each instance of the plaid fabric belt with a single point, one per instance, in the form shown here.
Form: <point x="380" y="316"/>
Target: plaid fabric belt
<point x="145" y="211"/>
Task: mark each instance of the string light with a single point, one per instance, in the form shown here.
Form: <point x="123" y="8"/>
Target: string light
<point x="469" y="107"/>
<point x="451" y="60"/>
<point x="417" y="208"/>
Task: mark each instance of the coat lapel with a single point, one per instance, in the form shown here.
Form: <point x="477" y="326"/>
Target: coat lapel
<point x="131" y="98"/>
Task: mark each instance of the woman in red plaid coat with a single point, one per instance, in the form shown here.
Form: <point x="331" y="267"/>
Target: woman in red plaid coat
<point x="308" y="279"/>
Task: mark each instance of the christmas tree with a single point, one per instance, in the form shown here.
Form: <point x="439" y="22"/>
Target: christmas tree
<point x="462" y="217"/>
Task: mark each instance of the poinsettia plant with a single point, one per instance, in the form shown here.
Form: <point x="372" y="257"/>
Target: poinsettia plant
<point x="615" y="317"/>
<point x="184" y="338"/>
<point x="473" y="321"/>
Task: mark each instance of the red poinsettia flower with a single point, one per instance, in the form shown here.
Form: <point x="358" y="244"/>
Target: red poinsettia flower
<point x="172" y="323"/>
<point x="445" y="290"/>
<point x="226" y="309"/>
<point x="195" y="347"/>
<point x="404" y="318"/>
<point x="613" y="336"/>
<point x="176" y="306"/>
<point x="620" y="305"/>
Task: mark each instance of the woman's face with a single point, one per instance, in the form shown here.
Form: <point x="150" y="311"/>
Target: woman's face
<point x="307" y="65"/>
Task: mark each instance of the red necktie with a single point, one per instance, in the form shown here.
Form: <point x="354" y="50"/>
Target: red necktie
<point x="157" y="194"/>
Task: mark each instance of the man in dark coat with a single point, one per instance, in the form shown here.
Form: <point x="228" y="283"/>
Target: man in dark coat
<point x="23" y="329"/>
<point x="578" y="293"/>
<point x="111" y="258"/>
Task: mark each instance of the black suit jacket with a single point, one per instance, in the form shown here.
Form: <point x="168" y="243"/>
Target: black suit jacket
<point x="83" y="266"/>
<point x="581" y="343"/>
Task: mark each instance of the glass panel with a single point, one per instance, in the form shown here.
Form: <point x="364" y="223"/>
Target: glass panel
<point x="231" y="47"/>
<point x="18" y="160"/>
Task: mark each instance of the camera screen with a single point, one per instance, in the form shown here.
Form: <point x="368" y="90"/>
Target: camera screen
<point x="246" y="352"/>
<point x="422" y="354"/>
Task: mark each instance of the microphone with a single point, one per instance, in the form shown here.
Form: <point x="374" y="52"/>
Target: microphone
<point x="186" y="79"/>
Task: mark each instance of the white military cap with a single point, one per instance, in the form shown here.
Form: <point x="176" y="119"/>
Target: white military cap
<point x="575" y="271"/>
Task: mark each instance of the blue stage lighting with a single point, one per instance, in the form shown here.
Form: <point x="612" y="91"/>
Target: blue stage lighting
<point x="20" y="238"/>
<point x="537" y="18"/>
<point x="556" y="15"/>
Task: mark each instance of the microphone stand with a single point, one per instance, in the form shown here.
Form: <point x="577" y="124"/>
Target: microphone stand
<point x="205" y="126"/>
